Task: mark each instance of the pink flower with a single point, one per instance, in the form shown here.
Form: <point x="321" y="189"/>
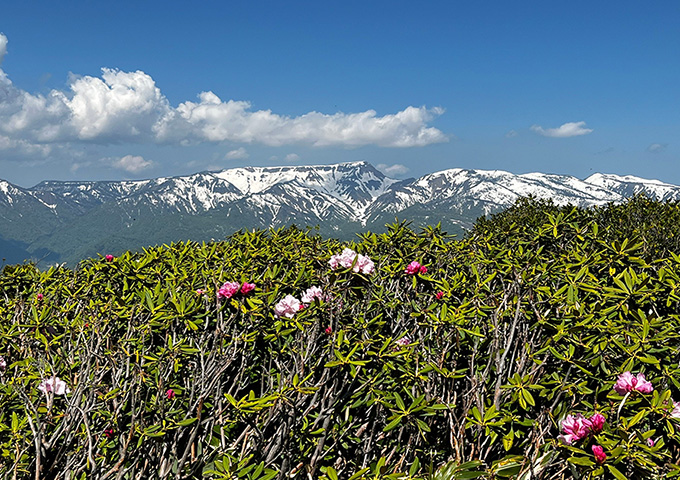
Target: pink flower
<point x="287" y="307"/>
<point x="200" y="291"/>
<point x="651" y="442"/>
<point x="363" y="264"/>
<point x="108" y="433"/>
<point x="39" y="297"/>
<point x="413" y="268"/>
<point x="574" y="428"/>
<point x="423" y="270"/>
<point x="109" y="258"/>
<point x="600" y="456"/>
<point x="403" y="341"/>
<point x="55" y="385"/>
<point x="628" y="382"/>
<point x="596" y="423"/>
<point x="229" y="289"/>
<point x="311" y="294"/>
<point x="246" y="288"/>
<point x="328" y="330"/>
<point x="170" y="394"/>
<point x="440" y="295"/>
<point x="3" y="363"/>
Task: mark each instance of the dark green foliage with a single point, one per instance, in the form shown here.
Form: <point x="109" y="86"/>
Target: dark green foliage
<point x="539" y="310"/>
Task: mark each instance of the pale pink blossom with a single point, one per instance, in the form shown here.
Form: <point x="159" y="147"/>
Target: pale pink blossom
<point x="55" y="385"/>
<point x="347" y="258"/>
<point x="600" y="456"/>
<point x="287" y="307"/>
<point x="675" y="413"/>
<point x="229" y="289"/>
<point x="628" y="382"/>
<point x="3" y="363"/>
<point x="651" y="442"/>
<point x="403" y="341"/>
<point x="311" y="293"/>
<point x="246" y="288"/>
<point x="574" y="428"/>
<point x="200" y="291"/>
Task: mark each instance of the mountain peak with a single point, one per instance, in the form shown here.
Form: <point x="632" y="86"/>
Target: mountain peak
<point x="71" y="220"/>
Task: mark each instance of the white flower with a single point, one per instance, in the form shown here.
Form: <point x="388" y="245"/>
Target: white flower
<point x="55" y="385"/>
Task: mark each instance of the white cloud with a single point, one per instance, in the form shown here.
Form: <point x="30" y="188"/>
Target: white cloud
<point x="511" y="134"/>
<point x="657" y="147"/>
<point x="131" y="163"/>
<point x="238" y="154"/>
<point x="390" y="170"/>
<point x="214" y="120"/>
<point x="128" y="107"/>
<point x="292" y="157"/>
<point x="3" y="47"/>
<point x="570" y="129"/>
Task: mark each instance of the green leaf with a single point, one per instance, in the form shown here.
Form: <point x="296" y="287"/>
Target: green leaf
<point x="614" y="471"/>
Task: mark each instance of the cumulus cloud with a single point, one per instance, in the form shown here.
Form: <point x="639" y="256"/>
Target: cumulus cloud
<point x="238" y="154"/>
<point x="570" y="129"/>
<point x="128" y="107"/>
<point x="292" y="157"/>
<point x="131" y="163"/>
<point x="657" y="147"/>
<point x="3" y="46"/>
<point x="390" y="170"/>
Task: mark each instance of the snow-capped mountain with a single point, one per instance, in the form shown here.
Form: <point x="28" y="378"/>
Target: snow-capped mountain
<point x="66" y="221"/>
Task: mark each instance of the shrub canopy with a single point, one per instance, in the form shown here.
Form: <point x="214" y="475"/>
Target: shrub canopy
<point x="469" y="368"/>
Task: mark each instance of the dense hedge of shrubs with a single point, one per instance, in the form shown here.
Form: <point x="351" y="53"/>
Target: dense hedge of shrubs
<point x="544" y="345"/>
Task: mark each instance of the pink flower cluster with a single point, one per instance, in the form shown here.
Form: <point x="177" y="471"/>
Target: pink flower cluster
<point x="403" y="341"/>
<point x="170" y="394"/>
<point x="55" y="385"/>
<point x="349" y="257"/>
<point x="415" y="267"/>
<point x="311" y="293"/>
<point x="3" y="363"/>
<point x="628" y="382"/>
<point x="287" y="307"/>
<point x="577" y="427"/>
<point x="229" y="289"/>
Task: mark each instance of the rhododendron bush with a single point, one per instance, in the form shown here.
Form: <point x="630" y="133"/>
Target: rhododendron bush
<point x="544" y="345"/>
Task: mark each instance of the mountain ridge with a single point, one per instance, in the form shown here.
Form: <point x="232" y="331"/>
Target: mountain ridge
<point x="58" y="221"/>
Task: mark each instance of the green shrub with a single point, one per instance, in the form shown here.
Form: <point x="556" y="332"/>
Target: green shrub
<point x="463" y="371"/>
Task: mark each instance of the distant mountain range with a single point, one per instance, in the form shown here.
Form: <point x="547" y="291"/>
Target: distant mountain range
<point x="67" y="221"/>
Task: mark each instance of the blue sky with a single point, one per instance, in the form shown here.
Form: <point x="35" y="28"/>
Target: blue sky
<point x="95" y="90"/>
